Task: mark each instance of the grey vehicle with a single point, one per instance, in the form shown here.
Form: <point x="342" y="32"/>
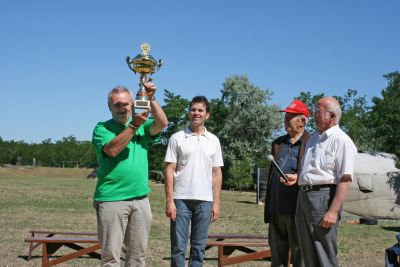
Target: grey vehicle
<point x="375" y="190"/>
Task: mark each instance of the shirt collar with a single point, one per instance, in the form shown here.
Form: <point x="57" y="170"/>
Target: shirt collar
<point x="122" y="125"/>
<point x="189" y="133"/>
<point x="329" y="132"/>
<point x="287" y="139"/>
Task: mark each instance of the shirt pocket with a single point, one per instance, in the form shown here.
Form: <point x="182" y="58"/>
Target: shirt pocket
<point x="328" y="159"/>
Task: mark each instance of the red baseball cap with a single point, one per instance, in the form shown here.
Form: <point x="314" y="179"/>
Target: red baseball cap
<point x="297" y="107"/>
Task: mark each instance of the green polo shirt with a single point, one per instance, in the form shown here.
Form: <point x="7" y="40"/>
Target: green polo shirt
<point x="126" y="175"/>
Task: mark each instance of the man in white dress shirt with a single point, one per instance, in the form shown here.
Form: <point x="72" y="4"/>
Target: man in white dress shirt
<point x="325" y="177"/>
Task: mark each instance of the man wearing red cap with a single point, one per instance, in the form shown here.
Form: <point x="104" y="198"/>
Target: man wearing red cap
<point x="281" y="199"/>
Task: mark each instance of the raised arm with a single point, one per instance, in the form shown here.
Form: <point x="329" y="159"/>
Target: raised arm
<point x="119" y="143"/>
<point x="160" y="119"/>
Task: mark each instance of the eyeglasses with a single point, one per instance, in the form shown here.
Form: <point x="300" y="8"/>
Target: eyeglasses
<point x="121" y="105"/>
<point x="318" y="111"/>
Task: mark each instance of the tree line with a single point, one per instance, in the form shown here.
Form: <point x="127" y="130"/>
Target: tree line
<point x="245" y="120"/>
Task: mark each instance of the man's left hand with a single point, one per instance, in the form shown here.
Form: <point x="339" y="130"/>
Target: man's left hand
<point x="329" y="219"/>
<point x="214" y="212"/>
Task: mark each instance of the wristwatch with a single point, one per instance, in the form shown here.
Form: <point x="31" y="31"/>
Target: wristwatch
<point x="133" y="126"/>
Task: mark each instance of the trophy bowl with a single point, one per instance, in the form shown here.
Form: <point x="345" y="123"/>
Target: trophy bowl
<point x="143" y="64"/>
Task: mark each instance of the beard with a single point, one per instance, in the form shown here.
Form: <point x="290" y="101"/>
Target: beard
<point x="121" y="117"/>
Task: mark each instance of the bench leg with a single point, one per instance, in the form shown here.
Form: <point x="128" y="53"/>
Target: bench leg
<point x="48" y="249"/>
<point x="77" y="248"/>
<point x="221" y="256"/>
<point x="45" y="256"/>
<point x="34" y="245"/>
<point x="73" y="255"/>
<point x="223" y="261"/>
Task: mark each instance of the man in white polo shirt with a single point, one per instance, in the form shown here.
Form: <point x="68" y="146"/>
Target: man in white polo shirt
<point x="192" y="184"/>
<point x="325" y="177"/>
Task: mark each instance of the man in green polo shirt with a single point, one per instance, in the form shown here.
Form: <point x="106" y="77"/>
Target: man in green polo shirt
<point x="121" y="202"/>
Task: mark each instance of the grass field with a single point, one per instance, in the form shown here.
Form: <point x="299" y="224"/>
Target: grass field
<point x="61" y="199"/>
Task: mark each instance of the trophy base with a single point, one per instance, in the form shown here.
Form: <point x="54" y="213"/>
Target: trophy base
<point x="142" y="104"/>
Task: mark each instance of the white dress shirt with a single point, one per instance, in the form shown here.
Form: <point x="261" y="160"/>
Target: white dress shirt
<point x="328" y="157"/>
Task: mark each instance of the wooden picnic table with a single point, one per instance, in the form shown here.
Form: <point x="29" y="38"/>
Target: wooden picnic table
<point x="86" y="243"/>
<point x="228" y="243"/>
<point x="81" y="242"/>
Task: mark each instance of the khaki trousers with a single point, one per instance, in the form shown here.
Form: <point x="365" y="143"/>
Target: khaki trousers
<point x="123" y="222"/>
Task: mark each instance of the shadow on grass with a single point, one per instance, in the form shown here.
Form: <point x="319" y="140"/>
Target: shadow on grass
<point x="392" y="228"/>
<point x="216" y="259"/>
<point x="246" y="202"/>
<point x="206" y="259"/>
<point x="26" y="257"/>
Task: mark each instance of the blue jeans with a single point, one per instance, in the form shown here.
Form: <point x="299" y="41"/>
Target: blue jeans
<point x="198" y="213"/>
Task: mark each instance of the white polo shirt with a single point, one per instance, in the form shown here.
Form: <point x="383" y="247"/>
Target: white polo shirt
<point x="327" y="158"/>
<point x="194" y="156"/>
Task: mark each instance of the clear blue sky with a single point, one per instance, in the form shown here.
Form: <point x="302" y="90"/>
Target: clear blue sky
<point x="58" y="59"/>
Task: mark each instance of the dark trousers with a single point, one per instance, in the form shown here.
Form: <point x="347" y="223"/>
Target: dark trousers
<point x="282" y="237"/>
<point x="317" y="244"/>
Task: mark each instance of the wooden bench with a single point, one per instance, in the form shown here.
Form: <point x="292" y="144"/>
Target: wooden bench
<point x="51" y="241"/>
<point x="228" y="243"/>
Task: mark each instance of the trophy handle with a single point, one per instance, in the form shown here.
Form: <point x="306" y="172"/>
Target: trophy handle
<point x="129" y="63"/>
<point x="158" y="66"/>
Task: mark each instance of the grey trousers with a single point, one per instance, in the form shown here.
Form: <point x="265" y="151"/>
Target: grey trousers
<point x="317" y="244"/>
<point x="282" y="236"/>
<point x="123" y="222"/>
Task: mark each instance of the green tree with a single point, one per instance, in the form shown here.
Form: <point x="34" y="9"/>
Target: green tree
<point x="355" y="113"/>
<point x="218" y="116"/>
<point x="47" y="154"/>
<point x="176" y="109"/>
<point x="240" y="174"/>
<point x="355" y="119"/>
<point x="385" y="116"/>
<point x="87" y="155"/>
<point x="67" y="149"/>
<point x="246" y="126"/>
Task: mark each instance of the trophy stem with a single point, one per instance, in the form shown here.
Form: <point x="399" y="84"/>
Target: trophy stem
<point x="143" y="79"/>
<point x="142" y="90"/>
<point x="142" y="101"/>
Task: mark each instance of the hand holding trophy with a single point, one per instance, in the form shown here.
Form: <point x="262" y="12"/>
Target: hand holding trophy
<point x="144" y="64"/>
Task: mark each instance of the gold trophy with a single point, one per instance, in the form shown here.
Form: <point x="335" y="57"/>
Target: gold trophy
<point x="143" y="64"/>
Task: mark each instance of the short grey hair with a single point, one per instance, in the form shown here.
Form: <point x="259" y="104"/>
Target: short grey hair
<point x="334" y="107"/>
<point x="116" y="90"/>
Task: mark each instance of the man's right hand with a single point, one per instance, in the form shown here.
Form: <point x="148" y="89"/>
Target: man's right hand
<point x="170" y="211"/>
